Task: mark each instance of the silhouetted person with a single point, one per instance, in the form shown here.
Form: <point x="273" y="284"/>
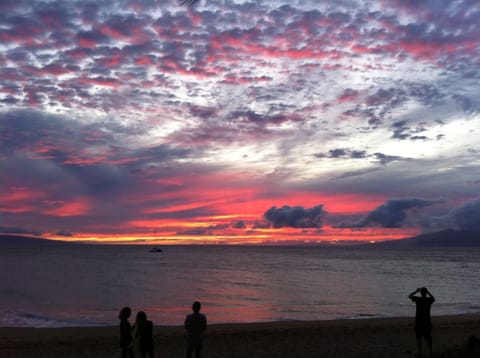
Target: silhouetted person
<point x="144" y="334"/>
<point x="195" y="324"/>
<point x="126" y="339"/>
<point x="423" y="324"/>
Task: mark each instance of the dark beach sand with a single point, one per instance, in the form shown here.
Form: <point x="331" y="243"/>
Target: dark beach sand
<point x="390" y="337"/>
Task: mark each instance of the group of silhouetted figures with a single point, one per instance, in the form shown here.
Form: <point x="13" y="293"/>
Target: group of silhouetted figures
<point x="196" y="323"/>
<point x="142" y="332"/>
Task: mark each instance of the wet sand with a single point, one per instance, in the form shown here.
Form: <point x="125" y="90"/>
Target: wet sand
<point x="389" y="337"/>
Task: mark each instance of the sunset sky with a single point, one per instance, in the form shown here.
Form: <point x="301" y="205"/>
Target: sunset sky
<point x="239" y="122"/>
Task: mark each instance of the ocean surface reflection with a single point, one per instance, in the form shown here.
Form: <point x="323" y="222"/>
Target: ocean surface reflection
<point x="87" y="285"/>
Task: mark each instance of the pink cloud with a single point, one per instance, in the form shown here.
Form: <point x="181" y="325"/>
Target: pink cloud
<point x="54" y="69"/>
<point x="75" y="207"/>
<point x="86" y="42"/>
<point x="100" y="81"/>
<point x="20" y="200"/>
<point x="348" y="96"/>
<point x="143" y="61"/>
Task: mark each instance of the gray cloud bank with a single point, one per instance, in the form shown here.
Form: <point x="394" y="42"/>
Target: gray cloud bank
<point x="393" y="213"/>
<point x="295" y="216"/>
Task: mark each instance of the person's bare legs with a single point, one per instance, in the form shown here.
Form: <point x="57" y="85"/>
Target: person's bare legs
<point x="429" y="341"/>
<point x="419" y="347"/>
<point x="198" y="351"/>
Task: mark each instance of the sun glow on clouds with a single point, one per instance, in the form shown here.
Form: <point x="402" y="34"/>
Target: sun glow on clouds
<point x="62" y="209"/>
<point x="148" y="121"/>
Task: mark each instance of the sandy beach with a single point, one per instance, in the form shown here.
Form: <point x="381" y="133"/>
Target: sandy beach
<point x="389" y="337"/>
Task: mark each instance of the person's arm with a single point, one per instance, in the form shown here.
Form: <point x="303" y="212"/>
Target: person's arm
<point x="431" y="296"/>
<point x="413" y="293"/>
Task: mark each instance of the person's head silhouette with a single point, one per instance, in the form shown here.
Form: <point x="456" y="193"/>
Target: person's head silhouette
<point x="125" y="313"/>
<point x="423" y="291"/>
<point x="141" y="316"/>
<point x="196" y="306"/>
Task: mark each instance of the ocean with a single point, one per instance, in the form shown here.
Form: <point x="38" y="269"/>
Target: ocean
<point x="57" y="285"/>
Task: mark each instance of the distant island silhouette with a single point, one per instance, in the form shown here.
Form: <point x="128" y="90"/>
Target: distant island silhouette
<point x="444" y="238"/>
<point x="28" y="240"/>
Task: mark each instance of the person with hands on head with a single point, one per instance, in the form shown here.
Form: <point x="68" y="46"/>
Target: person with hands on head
<point x="423" y="323"/>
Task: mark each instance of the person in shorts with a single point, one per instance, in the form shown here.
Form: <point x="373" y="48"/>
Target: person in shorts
<point x="423" y="323"/>
<point x="195" y="324"/>
<point x="144" y="335"/>
<point x="126" y="339"/>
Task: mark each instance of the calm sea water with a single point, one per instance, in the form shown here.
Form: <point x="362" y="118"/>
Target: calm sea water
<point x="49" y="286"/>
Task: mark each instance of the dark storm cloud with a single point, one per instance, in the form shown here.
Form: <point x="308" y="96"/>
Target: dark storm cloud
<point x="92" y="38"/>
<point x="20" y="231"/>
<point x="337" y="153"/>
<point x="357" y="154"/>
<point x="402" y="131"/>
<point x="261" y="120"/>
<point x="398" y="130"/>
<point x="427" y="94"/>
<point x="240" y="224"/>
<point x="68" y="142"/>
<point x="159" y="154"/>
<point x="379" y="106"/>
<point x="385" y="159"/>
<point x="467" y="216"/>
<point x="209" y="230"/>
<point x="467" y="104"/>
<point x="390" y="98"/>
<point x="393" y="213"/>
<point x="28" y="129"/>
<point x="376" y="107"/>
<point x="64" y="233"/>
<point x="295" y="216"/>
<point x="346" y="153"/>
<point x="203" y="112"/>
<point x="199" y="231"/>
<point x="68" y="160"/>
<point x="260" y="224"/>
<point x="240" y="127"/>
<point x="357" y="173"/>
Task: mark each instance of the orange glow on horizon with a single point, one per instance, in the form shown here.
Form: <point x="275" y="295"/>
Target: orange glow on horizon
<point x="250" y="237"/>
<point x="204" y="209"/>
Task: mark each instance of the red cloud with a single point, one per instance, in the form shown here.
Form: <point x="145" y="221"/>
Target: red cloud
<point x="87" y="42"/>
<point x="348" y="96"/>
<point x="78" y="53"/>
<point x="100" y="81"/>
<point x="53" y="69"/>
<point x="131" y="35"/>
<point x="111" y="62"/>
<point x="75" y="207"/>
<point x="20" y="200"/>
<point x="143" y="61"/>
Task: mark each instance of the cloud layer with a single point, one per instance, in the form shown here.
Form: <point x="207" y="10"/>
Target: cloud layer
<point x="238" y="121"/>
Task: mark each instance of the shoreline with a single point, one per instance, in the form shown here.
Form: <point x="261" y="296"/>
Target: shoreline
<point x="372" y="337"/>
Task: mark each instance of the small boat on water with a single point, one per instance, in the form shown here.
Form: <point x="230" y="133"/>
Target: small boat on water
<point x="155" y="249"/>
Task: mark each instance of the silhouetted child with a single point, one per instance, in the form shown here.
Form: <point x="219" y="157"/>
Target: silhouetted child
<point x="195" y="324"/>
<point x="144" y="334"/>
<point x="423" y="324"/>
<point x="126" y="339"/>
